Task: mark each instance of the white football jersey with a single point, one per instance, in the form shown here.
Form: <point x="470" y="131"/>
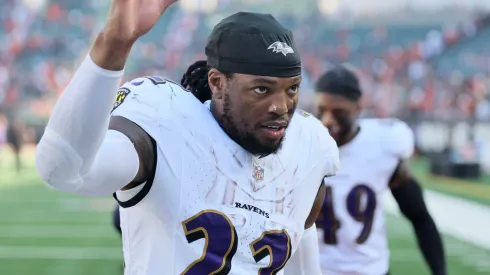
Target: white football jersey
<point x="353" y="239"/>
<point x="212" y="208"/>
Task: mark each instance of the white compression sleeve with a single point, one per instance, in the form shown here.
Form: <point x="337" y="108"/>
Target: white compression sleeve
<point x="306" y="259"/>
<point x="75" y="146"/>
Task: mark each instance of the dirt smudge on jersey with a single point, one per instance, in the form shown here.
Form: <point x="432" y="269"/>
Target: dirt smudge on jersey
<point x="291" y="209"/>
<point x="237" y="160"/>
<point x="213" y="153"/>
<point x="293" y="177"/>
<point x="229" y="194"/>
<point x="279" y="201"/>
<point x="213" y="190"/>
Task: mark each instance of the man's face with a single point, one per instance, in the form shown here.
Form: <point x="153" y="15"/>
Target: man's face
<point x="337" y="113"/>
<point x="256" y="110"/>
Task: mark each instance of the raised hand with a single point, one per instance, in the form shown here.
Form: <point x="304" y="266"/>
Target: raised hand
<point x="130" y="19"/>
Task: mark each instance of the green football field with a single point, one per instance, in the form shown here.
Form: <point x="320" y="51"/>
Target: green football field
<point x="45" y="232"/>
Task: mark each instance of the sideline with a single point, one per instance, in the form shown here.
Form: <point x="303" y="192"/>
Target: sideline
<point x="463" y="219"/>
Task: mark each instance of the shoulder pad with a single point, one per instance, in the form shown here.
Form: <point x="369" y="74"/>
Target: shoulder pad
<point x="389" y="122"/>
<point x="156" y="80"/>
<point x="314" y="137"/>
<point x="399" y="137"/>
<point x="144" y="92"/>
<point x="121" y="95"/>
<point x="302" y="113"/>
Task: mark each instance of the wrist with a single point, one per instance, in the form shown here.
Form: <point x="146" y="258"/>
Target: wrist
<point x="110" y="52"/>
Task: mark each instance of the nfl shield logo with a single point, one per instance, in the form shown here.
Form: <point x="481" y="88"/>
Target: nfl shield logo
<point x="258" y="172"/>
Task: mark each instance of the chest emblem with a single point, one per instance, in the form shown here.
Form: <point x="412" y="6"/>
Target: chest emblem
<point x="258" y="172"/>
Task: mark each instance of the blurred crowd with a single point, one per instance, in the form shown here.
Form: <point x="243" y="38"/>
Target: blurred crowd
<point x="416" y="69"/>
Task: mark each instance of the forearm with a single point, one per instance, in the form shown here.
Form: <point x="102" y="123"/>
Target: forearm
<point x="110" y="52"/>
<point x="430" y="243"/>
<point x="410" y="199"/>
<point x="79" y="122"/>
<point x="306" y="259"/>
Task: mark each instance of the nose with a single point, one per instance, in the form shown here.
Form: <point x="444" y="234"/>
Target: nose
<point x="279" y="105"/>
<point x="327" y="119"/>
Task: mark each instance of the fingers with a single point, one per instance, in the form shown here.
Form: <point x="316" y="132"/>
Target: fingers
<point x="164" y="4"/>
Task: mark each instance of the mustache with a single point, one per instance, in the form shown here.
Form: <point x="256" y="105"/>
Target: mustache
<point x="276" y="119"/>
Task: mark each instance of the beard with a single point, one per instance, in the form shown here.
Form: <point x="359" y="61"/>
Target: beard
<point x="236" y="130"/>
<point x="347" y="126"/>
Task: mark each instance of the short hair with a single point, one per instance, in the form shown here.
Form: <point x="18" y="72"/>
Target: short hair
<point x="340" y="81"/>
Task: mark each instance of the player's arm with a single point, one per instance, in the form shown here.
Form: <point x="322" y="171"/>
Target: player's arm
<point x="83" y="151"/>
<point x="77" y="152"/>
<point x="306" y="259"/>
<point x="409" y="196"/>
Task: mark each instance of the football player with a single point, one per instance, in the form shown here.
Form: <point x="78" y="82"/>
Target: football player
<point x="208" y="180"/>
<point x="373" y="154"/>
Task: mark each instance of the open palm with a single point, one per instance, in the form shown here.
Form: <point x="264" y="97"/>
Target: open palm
<point x="130" y="19"/>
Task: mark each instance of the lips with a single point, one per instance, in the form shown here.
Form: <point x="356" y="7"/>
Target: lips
<point x="276" y="124"/>
<point x="273" y="133"/>
<point x="275" y="129"/>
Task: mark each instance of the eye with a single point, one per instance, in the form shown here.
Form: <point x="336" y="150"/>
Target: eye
<point x="294" y="89"/>
<point x="261" y="90"/>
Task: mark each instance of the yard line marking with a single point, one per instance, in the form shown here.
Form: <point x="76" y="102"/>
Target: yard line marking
<point x="57" y="231"/>
<point x="463" y="219"/>
<point x="61" y="253"/>
<point x="62" y="204"/>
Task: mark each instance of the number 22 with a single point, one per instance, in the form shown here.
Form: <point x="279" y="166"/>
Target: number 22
<point x="354" y="207"/>
<point x="221" y="243"/>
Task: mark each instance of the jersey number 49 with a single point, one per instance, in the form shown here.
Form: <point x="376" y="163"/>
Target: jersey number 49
<point x="360" y="204"/>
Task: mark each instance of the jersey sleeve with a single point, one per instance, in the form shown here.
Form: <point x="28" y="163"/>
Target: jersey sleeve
<point x="145" y="101"/>
<point x="400" y="139"/>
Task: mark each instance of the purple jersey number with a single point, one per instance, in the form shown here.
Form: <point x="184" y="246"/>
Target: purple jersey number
<point x="221" y="244"/>
<point x="330" y="223"/>
<point x="277" y="245"/>
<point x="361" y="205"/>
<point x="358" y="212"/>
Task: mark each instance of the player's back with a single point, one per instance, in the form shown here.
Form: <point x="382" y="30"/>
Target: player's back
<point x="212" y="208"/>
<point x="353" y="239"/>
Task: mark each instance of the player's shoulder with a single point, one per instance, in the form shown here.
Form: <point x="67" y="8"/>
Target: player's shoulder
<point x="313" y="135"/>
<point x="389" y="127"/>
<point x="151" y="86"/>
<point x="394" y="134"/>
<point x="148" y="92"/>
<point x="303" y="121"/>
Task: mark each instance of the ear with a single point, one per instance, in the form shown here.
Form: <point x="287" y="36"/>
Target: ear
<point x="217" y="82"/>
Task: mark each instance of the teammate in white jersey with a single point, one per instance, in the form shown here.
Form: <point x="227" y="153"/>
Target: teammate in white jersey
<point x="372" y="156"/>
<point x="209" y="180"/>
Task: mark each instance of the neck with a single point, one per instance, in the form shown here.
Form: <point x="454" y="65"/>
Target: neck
<point x="217" y="111"/>
<point x="354" y="130"/>
<point x="214" y="110"/>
